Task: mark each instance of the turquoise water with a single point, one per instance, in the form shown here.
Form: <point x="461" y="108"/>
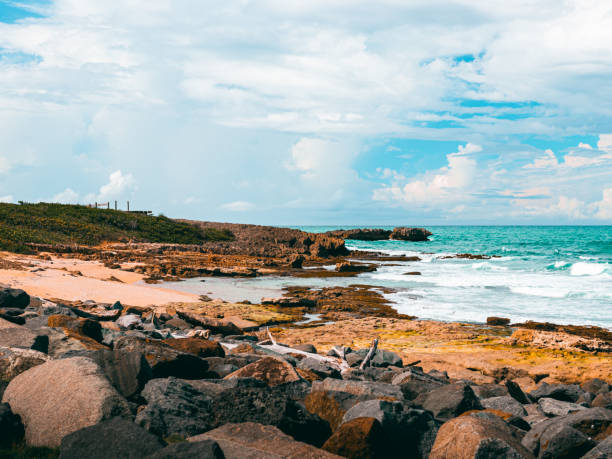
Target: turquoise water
<point x="560" y="274"/>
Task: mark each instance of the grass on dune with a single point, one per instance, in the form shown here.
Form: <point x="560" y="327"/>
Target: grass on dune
<point x="44" y="223"/>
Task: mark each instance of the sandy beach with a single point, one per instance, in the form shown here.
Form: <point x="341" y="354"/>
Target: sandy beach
<point x="78" y="280"/>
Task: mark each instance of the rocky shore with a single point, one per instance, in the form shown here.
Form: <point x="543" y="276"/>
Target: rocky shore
<point x="109" y="380"/>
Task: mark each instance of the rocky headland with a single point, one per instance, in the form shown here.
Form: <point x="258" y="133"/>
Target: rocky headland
<point x="97" y="362"/>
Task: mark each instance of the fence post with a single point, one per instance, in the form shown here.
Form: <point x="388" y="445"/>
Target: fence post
<point x="128" y="205"/>
<point x="115" y="205"/>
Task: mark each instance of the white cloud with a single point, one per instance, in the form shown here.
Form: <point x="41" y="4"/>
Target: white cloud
<point x="446" y="184"/>
<point x="7" y="199"/>
<point x="238" y="206"/>
<point x="547" y="160"/>
<point x="119" y="186"/>
<point x="585" y="146"/>
<point x="605" y="142"/>
<point x="68" y="196"/>
<point x="603" y="208"/>
<point x="5" y="165"/>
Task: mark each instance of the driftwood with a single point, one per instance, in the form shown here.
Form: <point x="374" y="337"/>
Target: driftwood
<point x="369" y="355"/>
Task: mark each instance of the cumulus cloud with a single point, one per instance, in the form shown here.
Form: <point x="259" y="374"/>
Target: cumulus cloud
<point x="603" y="208"/>
<point x="68" y="196"/>
<point x="5" y="165"/>
<point x="238" y="206"/>
<point x="119" y="185"/>
<point x="7" y="199"/>
<point x="446" y="184"/>
<point x="548" y="159"/>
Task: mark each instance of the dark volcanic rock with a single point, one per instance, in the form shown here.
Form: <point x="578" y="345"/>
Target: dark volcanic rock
<point x="318" y="367"/>
<point x="273" y="371"/>
<point x="13" y="298"/>
<point x="174" y="407"/>
<point x="516" y="392"/>
<point x="85" y="327"/>
<point x="594" y="423"/>
<point x="216" y="326"/>
<point x="348" y="267"/>
<point x="449" y="401"/>
<point x="601" y="451"/>
<point x="205" y="449"/>
<point x="497" y="321"/>
<point x="116" y="437"/>
<point x="366" y="234"/>
<point x="11" y="428"/>
<point x="413" y="382"/>
<point x="563" y="392"/>
<point x="506" y="403"/>
<point x="410" y="234"/>
<point x="128" y="371"/>
<point x="410" y="432"/>
<point x="164" y="360"/>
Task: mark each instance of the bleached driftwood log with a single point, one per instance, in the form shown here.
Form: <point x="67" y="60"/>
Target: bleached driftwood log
<point x="369" y="355"/>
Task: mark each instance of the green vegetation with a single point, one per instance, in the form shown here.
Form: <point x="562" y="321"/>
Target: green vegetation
<point x="69" y="224"/>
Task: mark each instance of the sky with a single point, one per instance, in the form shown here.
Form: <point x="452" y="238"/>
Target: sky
<point x="325" y="112"/>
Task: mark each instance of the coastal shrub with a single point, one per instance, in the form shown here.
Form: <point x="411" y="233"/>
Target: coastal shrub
<point x="45" y="223"/>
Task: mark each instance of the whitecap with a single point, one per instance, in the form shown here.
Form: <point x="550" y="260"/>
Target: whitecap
<point x="582" y="268"/>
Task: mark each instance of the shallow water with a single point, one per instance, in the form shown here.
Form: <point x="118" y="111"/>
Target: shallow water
<point x="545" y="273"/>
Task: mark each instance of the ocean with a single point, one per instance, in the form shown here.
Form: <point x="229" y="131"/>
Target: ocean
<point x="560" y="274"/>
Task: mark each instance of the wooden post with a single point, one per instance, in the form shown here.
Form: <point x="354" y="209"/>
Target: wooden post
<point x="115" y="205"/>
<point x="96" y="204"/>
<point x="128" y="205"/>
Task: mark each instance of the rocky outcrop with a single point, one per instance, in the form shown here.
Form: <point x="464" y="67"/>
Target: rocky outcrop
<point x="449" y="401"/>
<point x="60" y="397"/>
<point x="410" y="234"/>
<point x="196" y="346"/>
<point x="365" y="234"/>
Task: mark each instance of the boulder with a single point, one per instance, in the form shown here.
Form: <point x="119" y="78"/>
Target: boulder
<point x="413" y="382"/>
<point x="603" y="401"/>
<point x="196" y="346"/>
<point x="14" y="361"/>
<point x="515" y="391"/>
<point x="595" y="386"/>
<point x="205" y="449"/>
<point x="129" y="321"/>
<point x="216" y="326"/>
<point x="163" y="359"/>
<point x="116" y="437"/>
<point x="410" y="432"/>
<point x="331" y="405"/>
<point x="81" y="326"/>
<point x="270" y="370"/>
<point x="22" y="337"/>
<point x="563" y="392"/>
<point x="60" y="397"/>
<point x="253" y="440"/>
<point x="183" y="407"/>
<point x="360" y="388"/>
<point x="381" y="358"/>
<point x="360" y="438"/>
<point x="10" y="427"/>
<point x="484" y="391"/>
<point x="506" y="404"/>
<point x="13" y="298"/>
<point x="174" y="407"/>
<point x="127" y="371"/>
<point x="563" y="441"/>
<point x="477" y="435"/>
<point x="320" y="368"/>
<point x="551" y="407"/>
<point x="592" y="422"/>
<point x="290" y="301"/>
<point x="410" y="234"/>
<point x="449" y="401"/>
<point x="601" y="451"/>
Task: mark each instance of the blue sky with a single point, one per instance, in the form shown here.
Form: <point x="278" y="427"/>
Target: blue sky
<point x="319" y="112"/>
